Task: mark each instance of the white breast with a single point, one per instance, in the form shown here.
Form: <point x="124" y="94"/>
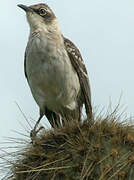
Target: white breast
<point x="51" y="77"/>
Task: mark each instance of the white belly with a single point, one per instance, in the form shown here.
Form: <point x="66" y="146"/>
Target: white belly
<point x="52" y="80"/>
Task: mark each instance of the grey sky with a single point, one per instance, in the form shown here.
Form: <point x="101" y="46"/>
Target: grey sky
<point x="104" y="32"/>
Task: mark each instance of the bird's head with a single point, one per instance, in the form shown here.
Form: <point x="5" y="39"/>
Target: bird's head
<point x="39" y="15"/>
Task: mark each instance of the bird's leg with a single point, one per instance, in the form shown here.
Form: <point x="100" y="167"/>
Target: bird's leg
<point x="35" y="131"/>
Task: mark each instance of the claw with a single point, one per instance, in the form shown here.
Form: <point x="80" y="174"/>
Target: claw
<point x="40" y="129"/>
<point x="33" y="133"/>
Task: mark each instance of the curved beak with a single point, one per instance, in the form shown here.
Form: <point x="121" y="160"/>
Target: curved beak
<point x="25" y="8"/>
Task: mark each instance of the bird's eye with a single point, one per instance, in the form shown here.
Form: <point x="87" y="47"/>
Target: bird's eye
<point x="42" y="12"/>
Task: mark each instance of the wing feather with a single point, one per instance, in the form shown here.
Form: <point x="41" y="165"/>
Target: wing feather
<point x="79" y="66"/>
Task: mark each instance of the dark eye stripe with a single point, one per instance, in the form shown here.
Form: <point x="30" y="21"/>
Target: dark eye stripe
<point x="37" y="11"/>
<point x="47" y="15"/>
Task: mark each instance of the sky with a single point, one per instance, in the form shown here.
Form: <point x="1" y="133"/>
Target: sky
<point x="103" y="30"/>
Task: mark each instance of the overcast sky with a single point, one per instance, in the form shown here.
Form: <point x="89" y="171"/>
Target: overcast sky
<point x="104" y="32"/>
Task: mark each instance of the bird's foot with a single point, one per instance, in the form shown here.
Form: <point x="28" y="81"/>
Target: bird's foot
<point x="33" y="134"/>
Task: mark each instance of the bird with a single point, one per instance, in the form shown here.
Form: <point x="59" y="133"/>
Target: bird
<point x="54" y="69"/>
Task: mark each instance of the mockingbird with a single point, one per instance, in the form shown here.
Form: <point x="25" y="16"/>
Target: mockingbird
<point x="54" y="69"/>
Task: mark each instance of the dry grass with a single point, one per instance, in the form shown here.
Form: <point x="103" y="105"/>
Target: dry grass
<point x="78" y="151"/>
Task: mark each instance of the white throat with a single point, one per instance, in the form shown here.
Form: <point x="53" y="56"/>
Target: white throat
<point x="37" y="23"/>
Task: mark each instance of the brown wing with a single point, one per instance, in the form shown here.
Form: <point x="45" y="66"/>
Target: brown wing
<point x="79" y="66"/>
